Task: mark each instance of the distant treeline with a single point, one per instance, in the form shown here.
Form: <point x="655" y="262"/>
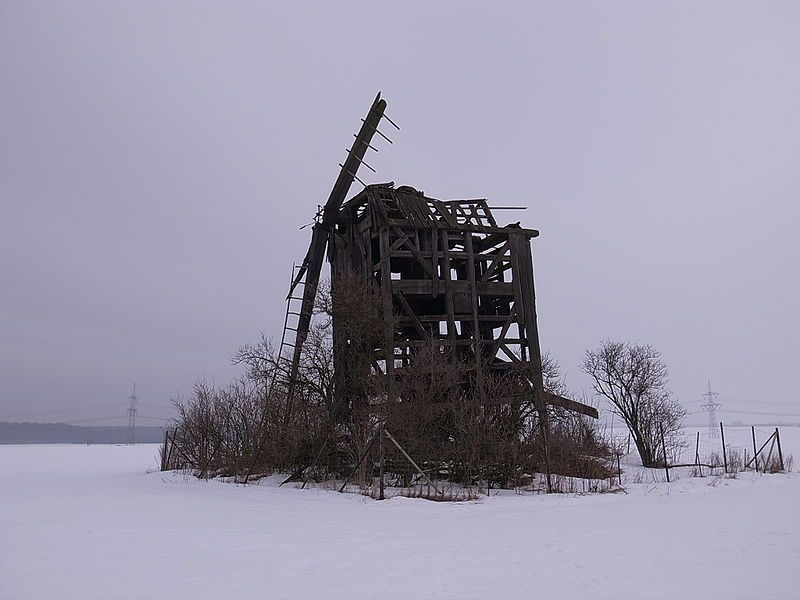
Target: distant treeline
<point x="62" y="433"/>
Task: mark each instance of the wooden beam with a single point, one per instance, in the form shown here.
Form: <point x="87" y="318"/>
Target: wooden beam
<point x="435" y="260"/>
<point x="504" y="331"/>
<point x="476" y="331"/>
<point x="496" y="262"/>
<point x="385" y="258"/>
<point x="474" y="228"/>
<point x="386" y="293"/>
<point x="550" y="400"/>
<point x="425" y="286"/>
<point x="573" y="405"/>
<point x="448" y="287"/>
<point x="423" y="263"/>
<point x="401" y="300"/>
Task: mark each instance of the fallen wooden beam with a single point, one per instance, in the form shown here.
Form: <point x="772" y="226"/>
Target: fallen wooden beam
<point x="573" y="405"/>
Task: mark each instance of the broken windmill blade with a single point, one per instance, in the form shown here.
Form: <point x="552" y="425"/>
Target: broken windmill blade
<point x="312" y="263"/>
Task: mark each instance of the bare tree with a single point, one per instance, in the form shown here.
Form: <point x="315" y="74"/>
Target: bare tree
<point x="634" y="379"/>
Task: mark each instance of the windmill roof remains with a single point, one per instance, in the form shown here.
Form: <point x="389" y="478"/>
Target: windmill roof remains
<point x="405" y="205"/>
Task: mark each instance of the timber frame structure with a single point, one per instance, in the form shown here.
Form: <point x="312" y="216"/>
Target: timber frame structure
<point x="446" y="273"/>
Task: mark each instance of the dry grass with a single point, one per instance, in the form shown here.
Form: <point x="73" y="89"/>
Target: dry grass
<point x="425" y="493"/>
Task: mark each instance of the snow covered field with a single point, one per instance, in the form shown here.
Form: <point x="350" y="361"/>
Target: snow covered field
<point x="92" y="522"/>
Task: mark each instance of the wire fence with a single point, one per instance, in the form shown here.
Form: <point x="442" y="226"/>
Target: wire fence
<point x="387" y="466"/>
<point x="731" y="449"/>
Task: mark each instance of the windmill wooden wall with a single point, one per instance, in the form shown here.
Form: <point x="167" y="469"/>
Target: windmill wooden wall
<point x="447" y="272"/>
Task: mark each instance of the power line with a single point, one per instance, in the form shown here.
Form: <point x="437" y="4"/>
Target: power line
<point x="157" y="406"/>
<point x="96" y="420"/>
<point x="58" y="411"/>
<point x="755" y="412"/>
<point x="99" y="419"/>
<point x="750" y="402"/>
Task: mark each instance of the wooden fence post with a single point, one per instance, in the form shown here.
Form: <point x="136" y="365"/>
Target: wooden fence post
<point x="780" y="452"/>
<point x="664" y="446"/>
<point x="697" y="454"/>
<point x="381" y="462"/>
<point x="769" y="454"/>
<point x="724" y="455"/>
<point x="164" y="450"/>
<point x="755" y="452"/>
<point x="771" y="438"/>
<point x="544" y="427"/>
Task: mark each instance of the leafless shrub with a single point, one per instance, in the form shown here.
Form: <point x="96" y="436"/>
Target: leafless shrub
<point x="634" y="380"/>
<point x="464" y="423"/>
<point x="736" y="460"/>
<point x="576" y="448"/>
<point x="773" y="464"/>
<point x="200" y="434"/>
<point x="580" y="485"/>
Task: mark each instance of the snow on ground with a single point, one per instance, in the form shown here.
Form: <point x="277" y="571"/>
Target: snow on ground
<point x="99" y="522"/>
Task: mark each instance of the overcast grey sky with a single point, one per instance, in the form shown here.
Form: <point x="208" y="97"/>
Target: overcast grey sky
<point x="157" y="160"/>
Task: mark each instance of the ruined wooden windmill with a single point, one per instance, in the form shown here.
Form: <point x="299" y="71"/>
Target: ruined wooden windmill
<point x="444" y="270"/>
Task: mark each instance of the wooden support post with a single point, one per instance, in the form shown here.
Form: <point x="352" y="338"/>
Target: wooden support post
<point x="755" y="452"/>
<point x="724" y="453"/>
<point x="697" y="449"/>
<point x="664" y="447"/>
<point x="476" y="331"/>
<point x="769" y="454"/>
<point x="164" y="451"/>
<point x="519" y="302"/>
<point x="380" y="453"/>
<point x="780" y="452"/>
<point x="386" y="292"/>
<point x="522" y="270"/>
<point x="434" y="241"/>
<point x="414" y="464"/>
<point x="697" y="454"/>
<point x="619" y="470"/>
<point x="545" y="429"/>
<point x="448" y="289"/>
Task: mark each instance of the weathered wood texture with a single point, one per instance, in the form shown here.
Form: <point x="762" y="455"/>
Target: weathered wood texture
<point x="310" y="270"/>
<point x="446" y="273"/>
